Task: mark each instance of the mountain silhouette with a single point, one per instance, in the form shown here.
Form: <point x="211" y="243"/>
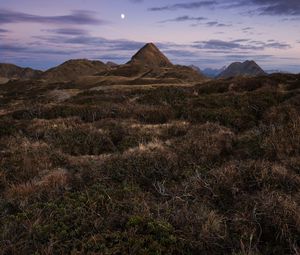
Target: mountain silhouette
<point x="247" y="68"/>
<point x="151" y="56"/>
<point x="150" y="63"/>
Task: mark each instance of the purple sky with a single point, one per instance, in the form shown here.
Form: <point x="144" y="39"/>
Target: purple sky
<point x="207" y="33"/>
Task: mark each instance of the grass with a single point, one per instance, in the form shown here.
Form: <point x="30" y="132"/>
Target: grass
<point x="206" y="169"/>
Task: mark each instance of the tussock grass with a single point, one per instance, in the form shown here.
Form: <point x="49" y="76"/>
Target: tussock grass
<point x="205" y="169"/>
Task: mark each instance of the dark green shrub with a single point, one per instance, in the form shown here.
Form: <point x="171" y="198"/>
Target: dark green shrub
<point x="153" y="114"/>
<point x="80" y="141"/>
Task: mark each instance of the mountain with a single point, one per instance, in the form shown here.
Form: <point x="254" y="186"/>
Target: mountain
<point x="73" y="69"/>
<point x="148" y="66"/>
<point x="150" y="63"/>
<point x="212" y="73"/>
<point x="11" y="71"/>
<point x="247" y="68"/>
<point x="150" y="56"/>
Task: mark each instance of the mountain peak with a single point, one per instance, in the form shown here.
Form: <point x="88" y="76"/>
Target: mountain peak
<point x="247" y="68"/>
<point x="150" y="55"/>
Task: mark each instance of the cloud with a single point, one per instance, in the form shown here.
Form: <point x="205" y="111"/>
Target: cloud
<point x="75" y="18"/>
<point x="189" y="5"/>
<point x="217" y="24"/>
<point x="11" y="48"/>
<point x="266" y="7"/>
<point x="111" y="44"/>
<point x="67" y="31"/>
<point x="181" y="53"/>
<point x="183" y="19"/>
<point x="260" y="7"/>
<point x="91" y="42"/>
<point x="278" y="7"/>
<point x="239" y="45"/>
<point x="2" y="31"/>
<point x="246" y="29"/>
<point x="197" y="20"/>
<point x="241" y="40"/>
<point x="277" y="45"/>
<point x="242" y="57"/>
<point x="5" y="48"/>
<point x="217" y="44"/>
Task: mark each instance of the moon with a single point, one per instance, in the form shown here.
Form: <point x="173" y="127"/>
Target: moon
<point x="123" y="16"/>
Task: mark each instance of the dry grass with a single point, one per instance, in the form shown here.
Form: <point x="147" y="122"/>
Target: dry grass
<point x="205" y="169"/>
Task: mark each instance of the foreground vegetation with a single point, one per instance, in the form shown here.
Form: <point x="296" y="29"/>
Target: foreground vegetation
<point x="207" y="169"/>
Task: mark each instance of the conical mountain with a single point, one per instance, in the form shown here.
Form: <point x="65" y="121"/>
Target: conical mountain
<point x="149" y="64"/>
<point x="150" y="56"/>
<point x="247" y="68"/>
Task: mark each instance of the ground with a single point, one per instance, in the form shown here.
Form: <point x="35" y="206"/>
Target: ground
<point x="210" y="168"/>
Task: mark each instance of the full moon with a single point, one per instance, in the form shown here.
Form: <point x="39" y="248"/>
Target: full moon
<point x="122" y="16"/>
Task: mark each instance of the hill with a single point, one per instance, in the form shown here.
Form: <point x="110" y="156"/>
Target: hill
<point x="11" y="71"/>
<point x="247" y="68"/>
<point x="73" y="69"/>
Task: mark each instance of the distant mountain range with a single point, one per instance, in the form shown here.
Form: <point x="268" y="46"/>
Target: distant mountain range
<point x="212" y="73"/>
<point x="148" y="63"/>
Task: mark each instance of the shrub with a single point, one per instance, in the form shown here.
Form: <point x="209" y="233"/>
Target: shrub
<point x="144" y="166"/>
<point x="283" y="140"/>
<point x="225" y="184"/>
<point x="204" y="144"/>
<point x="153" y="114"/>
<point x="280" y="222"/>
<point x="88" y="113"/>
<point x="80" y="140"/>
<point x="239" y="111"/>
<point x="165" y="96"/>
<point x="7" y="127"/>
<point x="26" y="160"/>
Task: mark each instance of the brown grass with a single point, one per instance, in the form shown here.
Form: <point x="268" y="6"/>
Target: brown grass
<point x="205" y="169"/>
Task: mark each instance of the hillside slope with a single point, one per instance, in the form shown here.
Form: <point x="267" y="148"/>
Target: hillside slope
<point x="73" y="69"/>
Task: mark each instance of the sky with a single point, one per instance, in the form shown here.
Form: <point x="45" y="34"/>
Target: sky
<point x="207" y="33"/>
